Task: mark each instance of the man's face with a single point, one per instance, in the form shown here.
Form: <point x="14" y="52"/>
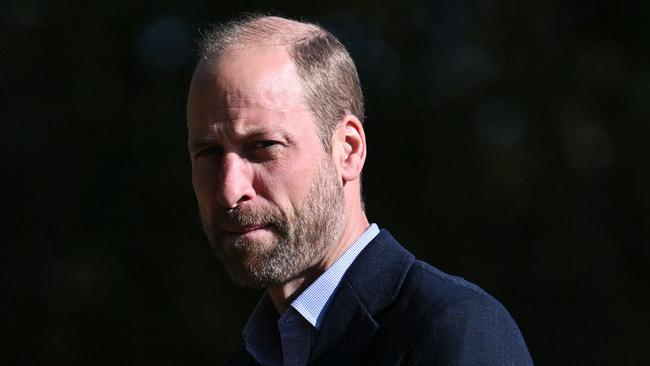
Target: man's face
<point x="270" y="198"/>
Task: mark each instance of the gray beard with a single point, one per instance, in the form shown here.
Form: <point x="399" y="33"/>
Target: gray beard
<point x="301" y="237"/>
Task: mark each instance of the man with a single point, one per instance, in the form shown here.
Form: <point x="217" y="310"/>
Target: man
<point x="277" y="145"/>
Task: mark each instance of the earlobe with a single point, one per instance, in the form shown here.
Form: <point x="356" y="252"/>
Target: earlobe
<point x="353" y="141"/>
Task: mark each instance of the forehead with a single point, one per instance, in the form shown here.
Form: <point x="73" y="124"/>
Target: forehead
<point x="264" y="78"/>
<point x="244" y="87"/>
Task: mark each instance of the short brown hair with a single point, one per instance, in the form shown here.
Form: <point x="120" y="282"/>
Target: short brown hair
<point x="330" y="81"/>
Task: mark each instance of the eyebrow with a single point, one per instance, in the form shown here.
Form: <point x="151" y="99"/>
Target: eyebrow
<point x="255" y="133"/>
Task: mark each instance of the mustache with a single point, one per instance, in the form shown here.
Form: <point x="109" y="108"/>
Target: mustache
<point x="238" y="217"/>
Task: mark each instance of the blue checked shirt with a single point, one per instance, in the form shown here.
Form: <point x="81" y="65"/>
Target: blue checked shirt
<point x="287" y="339"/>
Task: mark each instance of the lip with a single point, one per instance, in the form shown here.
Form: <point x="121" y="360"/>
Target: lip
<point x="241" y="230"/>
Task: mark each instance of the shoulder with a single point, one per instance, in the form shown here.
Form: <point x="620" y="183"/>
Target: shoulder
<point x="431" y="297"/>
<point x="437" y="290"/>
<point x="426" y="316"/>
<point x="387" y="275"/>
<point x="458" y="321"/>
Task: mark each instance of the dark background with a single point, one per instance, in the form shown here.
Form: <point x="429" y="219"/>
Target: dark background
<point x="508" y="143"/>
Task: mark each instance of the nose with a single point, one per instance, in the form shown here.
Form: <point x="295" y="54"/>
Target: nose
<point x="236" y="181"/>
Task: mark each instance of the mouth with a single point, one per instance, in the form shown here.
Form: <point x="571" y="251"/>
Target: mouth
<point x="243" y="230"/>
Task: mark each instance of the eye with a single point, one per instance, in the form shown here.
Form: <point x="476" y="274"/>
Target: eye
<point x="211" y="152"/>
<point x="263" y="144"/>
<point x="263" y="150"/>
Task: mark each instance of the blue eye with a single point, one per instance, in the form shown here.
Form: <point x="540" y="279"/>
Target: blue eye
<point x="264" y="144"/>
<point x="263" y="150"/>
<point x="210" y="152"/>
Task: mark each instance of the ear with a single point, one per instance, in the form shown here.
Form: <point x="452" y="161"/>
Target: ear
<point x="349" y="148"/>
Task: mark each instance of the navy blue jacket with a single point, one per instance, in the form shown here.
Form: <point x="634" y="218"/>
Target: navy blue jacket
<point x="391" y="309"/>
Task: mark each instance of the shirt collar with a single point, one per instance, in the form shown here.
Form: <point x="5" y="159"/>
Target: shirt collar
<point x="261" y="335"/>
<point x="313" y="301"/>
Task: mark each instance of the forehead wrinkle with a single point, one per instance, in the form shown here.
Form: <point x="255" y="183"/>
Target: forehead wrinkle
<point x="245" y="110"/>
<point x="241" y="110"/>
<point x="242" y="122"/>
<point x="271" y="99"/>
<point x="243" y="93"/>
<point x="267" y="79"/>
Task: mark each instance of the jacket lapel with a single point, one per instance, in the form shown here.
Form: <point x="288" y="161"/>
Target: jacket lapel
<point x="370" y="284"/>
<point x="346" y="330"/>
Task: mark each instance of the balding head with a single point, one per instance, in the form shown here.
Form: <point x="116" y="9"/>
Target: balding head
<point x="328" y="76"/>
<point x="254" y="32"/>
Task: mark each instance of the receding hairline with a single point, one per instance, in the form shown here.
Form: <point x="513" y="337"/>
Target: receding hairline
<point x="259" y="32"/>
<point x="326" y="72"/>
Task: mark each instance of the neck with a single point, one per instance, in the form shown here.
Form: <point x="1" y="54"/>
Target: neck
<point x="283" y="295"/>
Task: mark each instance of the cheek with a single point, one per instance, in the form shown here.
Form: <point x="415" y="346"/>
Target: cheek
<point x="204" y="188"/>
<point x="286" y="182"/>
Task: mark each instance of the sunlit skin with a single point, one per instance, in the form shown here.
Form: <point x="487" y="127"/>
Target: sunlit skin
<point x="248" y="109"/>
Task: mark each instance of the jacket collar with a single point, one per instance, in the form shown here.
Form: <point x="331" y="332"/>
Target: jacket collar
<point x="371" y="283"/>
